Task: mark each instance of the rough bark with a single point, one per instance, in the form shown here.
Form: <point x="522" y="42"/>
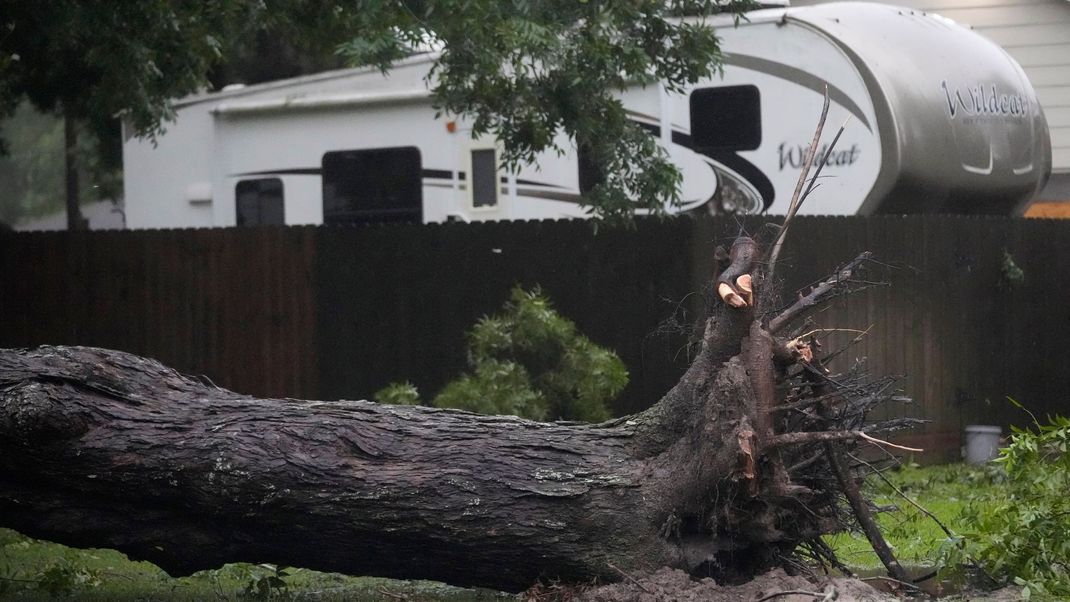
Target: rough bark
<point x="102" y="448"/>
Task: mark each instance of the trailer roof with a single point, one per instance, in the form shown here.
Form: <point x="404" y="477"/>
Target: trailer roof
<point x="233" y="91"/>
<point x="236" y="91"/>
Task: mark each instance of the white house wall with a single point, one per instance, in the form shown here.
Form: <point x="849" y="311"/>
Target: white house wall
<point x="180" y="191"/>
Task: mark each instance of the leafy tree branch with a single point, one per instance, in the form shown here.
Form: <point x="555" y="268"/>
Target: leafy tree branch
<point x="536" y="75"/>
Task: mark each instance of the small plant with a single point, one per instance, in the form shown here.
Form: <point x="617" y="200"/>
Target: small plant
<point x="259" y="582"/>
<point x="1011" y="275"/>
<point x="532" y="362"/>
<point x="265" y="582"/>
<point x="400" y="394"/>
<point x="1022" y="537"/>
<point x="64" y="576"/>
<point x="495" y="387"/>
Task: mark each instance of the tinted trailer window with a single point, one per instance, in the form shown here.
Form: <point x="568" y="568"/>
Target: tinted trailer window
<point x="484" y="178"/>
<point x="372" y="185"/>
<point x="727" y="118"/>
<point x="259" y="202"/>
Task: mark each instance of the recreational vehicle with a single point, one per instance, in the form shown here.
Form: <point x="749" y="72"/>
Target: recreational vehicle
<point x="938" y="118"/>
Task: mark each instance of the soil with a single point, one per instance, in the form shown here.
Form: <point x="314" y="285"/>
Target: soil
<point x="672" y="585"/>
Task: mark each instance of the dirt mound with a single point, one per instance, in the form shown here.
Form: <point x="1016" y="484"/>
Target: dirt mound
<point x="665" y="585"/>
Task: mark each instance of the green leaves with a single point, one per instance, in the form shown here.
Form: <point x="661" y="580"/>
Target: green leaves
<point x="1022" y="535"/>
<point x="265" y="582"/>
<point x="529" y="361"/>
<point x="399" y="394"/>
<point x="538" y="76"/>
<point x="495" y="387"/>
<point x="527" y="72"/>
<point x="96" y="61"/>
<point x="59" y="576"/>
<point x="1011" y="276"/>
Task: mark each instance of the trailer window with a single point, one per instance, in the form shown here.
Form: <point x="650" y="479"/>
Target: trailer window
<point x="372" y="185"/>
<point x="259" y="202"/>
<point x="726" y="118"/>
<point x="484" y="178"/>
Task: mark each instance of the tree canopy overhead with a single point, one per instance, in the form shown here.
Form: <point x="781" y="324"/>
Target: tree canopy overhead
<point x="526" y="71"/>
<point x="522" y="71"/>
<point x="98" y="60"/>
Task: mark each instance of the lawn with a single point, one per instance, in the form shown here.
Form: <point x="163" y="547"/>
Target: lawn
<point x="916" y="539"/>
<point x="34" y="570"/>
<point x="39" y="570"/>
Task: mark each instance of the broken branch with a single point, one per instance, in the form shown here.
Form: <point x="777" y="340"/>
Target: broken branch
<point x="815" y="436"/>
<point x="796" y="198"/>
<point x="735" y="284"/>
<point x="824" y="291"/>
<point x="863" y="513"/>
<point x="794" y="592"/>
<point x="624" y="574"/>
<point x="884" y="443"/>
<point x="824" y="160"/>
<point x="900" y="493"/>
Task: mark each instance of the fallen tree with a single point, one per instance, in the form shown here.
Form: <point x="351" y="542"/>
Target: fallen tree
<point x="739" y="466"/>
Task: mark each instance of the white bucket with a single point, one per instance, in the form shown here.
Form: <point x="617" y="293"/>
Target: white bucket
<point x="982" y="443"/>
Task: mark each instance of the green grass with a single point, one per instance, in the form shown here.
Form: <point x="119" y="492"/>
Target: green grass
<point x="915" y="538"/>
<point x="39" y="570"/>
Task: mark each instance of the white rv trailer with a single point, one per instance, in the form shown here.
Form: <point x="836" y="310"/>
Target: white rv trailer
<point x="941" y="120"/>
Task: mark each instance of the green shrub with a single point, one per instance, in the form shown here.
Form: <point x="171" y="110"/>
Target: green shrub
<point x="495" y="387"/>
<point x="532" y="362"/>
<point x="401" y="394"/>
<point x="1024" y="536"/>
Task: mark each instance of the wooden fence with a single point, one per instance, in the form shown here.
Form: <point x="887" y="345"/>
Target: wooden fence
<point x="322" y="312"/>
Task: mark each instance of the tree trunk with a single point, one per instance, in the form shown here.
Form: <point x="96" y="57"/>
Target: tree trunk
<point x="75" y="220"/>
<point x="102" y="448"/>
